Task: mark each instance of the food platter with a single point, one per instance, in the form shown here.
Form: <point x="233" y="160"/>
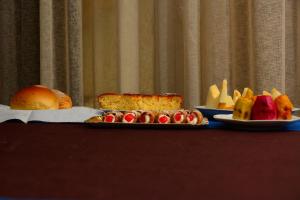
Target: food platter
<point x="148" y="125"/>
<point x="210" y="112"/>
<point x="102" y="124"/>
<point x="268" y="123"/>
<point x="149" y="119"/>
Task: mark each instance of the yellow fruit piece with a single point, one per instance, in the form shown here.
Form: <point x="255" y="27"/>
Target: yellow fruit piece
<point x="242" y="108"/>
<point x="225" y="101"/>
<point x="284" y="107"/>
<point x="224" y="93"/>
<point x="275" y="93"/>
<point x="213" y="95"/>
<point x="236" y="95"/>
<point x="248" y="93"/>
<point x="266" y="93"/>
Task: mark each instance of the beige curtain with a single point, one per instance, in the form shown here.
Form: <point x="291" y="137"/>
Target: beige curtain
<point x="157" y="46"/>
<point x="149" y="46"/>
<point x="41" y="43"/>
<point x="19" y="46"/>
<point x="61" y="46"/>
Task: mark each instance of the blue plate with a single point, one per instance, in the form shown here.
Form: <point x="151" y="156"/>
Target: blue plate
<point x="210" y="112"/>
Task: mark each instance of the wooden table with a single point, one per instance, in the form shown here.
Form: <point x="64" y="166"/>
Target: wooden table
<point x="75" y="161"/>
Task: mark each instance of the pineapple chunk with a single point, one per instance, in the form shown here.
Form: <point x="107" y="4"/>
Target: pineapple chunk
<point x="229" y="101"/>
<point x="242" y="108"/>
<point x="225" y="101"/>
<point x="236" y="95"/>
<point x="266" y="93"/>
<point x="213" y="95"/>
<point x="247" y="93"/>
<point x="275" y="93"/>
<point x="224" y="94"/>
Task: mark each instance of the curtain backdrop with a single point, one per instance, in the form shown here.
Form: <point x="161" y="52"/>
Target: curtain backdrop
<point x="149" y="46"/>
<point x="19" y="46"/>
<point x="155" y="46"/>
<point x="41" y="43"/>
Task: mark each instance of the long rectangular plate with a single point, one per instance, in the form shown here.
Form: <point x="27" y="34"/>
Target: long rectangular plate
<point x="149" y="125"/>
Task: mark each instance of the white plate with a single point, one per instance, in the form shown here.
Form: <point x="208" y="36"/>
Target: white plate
<point x="229" y="119"/>
<point x="295" y="110"/>
<point x="227" y="110"/>
<point x="210" y="112"/>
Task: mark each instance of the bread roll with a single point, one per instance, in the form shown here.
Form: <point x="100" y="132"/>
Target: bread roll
<point x="35" y="97"/>
<point x="64" y="100"/>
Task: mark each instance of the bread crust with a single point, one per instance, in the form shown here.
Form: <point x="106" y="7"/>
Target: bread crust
<point x="140" y="101"/>
<point x="64" y="101"/>
<point x="167" y="95"/>
<point x="35" y="97"/>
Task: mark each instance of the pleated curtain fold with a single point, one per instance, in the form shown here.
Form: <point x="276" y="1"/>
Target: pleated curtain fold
<point x="174" y="46"/>
<point x="89" y="47"/>
<point x="19" y="46"/>
<point x="61" y="46"/>
<point x="41" y="43"/>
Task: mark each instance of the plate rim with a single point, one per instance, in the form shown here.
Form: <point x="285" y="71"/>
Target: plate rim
<point x="217" y="117"/>
<point x="146" y="125"/>
<point x="216" y="109"/>
<point x="295" y="109"/>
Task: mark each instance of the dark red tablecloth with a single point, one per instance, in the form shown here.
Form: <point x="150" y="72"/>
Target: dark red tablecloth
<point x="75" y="161"/>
